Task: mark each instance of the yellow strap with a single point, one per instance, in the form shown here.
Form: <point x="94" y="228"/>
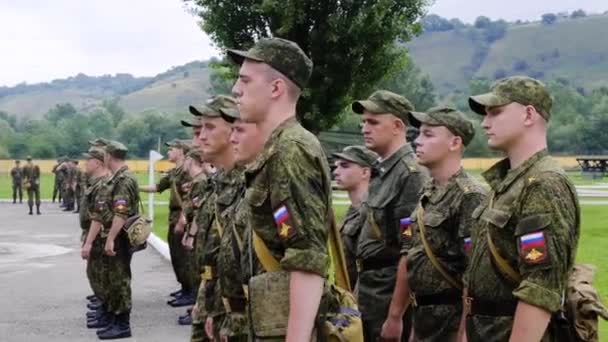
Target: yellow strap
<point x="268" y="261"/>
<point x="216" y="221"/>
<point x="502" y="264"/>
<point x="375" y="228"/>
<point x="429" y="252"/>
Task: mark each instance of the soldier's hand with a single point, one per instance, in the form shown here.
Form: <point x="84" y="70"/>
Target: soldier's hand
<point x="179" y="228"/>
<point x="189" y="243"/>
<point x="392" y="329"/>
<point x="209" y="327"/>
<point x="85" y="253"/>
<point x="194" y="312"/>
<point x="109" y="248"/>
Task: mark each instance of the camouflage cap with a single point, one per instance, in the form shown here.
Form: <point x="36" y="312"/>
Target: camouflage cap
<point x="185" y="145"/>
<point x="197" y="155"/>
<point x="450" y="118"/>
<point x="99" y="142"/>
<point x="116" y="149"/>
<point x="95" y="153"/>
<point x="195" y="122"/>
<point x="282" y="55"/>
<point x="385" y="102"/>
<point x="521" y="89"/>
<point x="217" y="106"/>
<point x="357" y="154"/>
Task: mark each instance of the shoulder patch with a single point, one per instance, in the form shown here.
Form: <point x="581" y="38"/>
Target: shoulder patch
<point x="533" y="248"/>
<point x="405" y="224"/>
<point x="282" y="219"/>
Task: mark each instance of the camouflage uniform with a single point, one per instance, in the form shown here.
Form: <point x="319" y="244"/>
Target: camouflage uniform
<point x="533" y="219"/>
<point x="31" y="177"/>
<point x="81" y="183"/>
<point x="17" y="178"/>
<point x="58" y="181"/>
<point x="179" y="182"/>
<point x="393" y="192"/>
<point x="446" y="212"/>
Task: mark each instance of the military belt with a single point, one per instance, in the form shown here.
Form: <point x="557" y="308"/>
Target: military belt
<point x="376" y="263"/>
<point x="234" y="304"/>
<point x="208" y="273"/>
<point x="444" y="298"/>
<point x="489" y="308"/>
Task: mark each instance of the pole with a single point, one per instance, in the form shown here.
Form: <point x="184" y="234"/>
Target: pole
<point x="154" y="157"/>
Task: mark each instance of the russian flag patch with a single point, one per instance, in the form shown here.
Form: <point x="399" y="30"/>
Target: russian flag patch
<point x="405" y="224"/>
<point x="467" y="245"/>
<point x="282" y="219"/>
<point x="533" y="247"/>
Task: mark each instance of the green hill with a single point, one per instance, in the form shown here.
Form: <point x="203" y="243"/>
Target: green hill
<point x="574" y="49"/>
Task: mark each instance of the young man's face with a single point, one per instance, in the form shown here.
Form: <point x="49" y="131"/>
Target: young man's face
<point x="175" y="154"/>
<point x="434" y="144"/>
<point x="196" y="132"/>
<point x="253" y="91"/>
<point x="349" y="175"/>
<point x="504" y="125"/>
<point x="92" y="165"/>
<point x="214" y="136"/>
<point x="246" y="140"/>
<point x="377" y="130"/>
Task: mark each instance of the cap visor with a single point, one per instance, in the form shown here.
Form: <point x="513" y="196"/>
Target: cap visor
<point x="238" y="56"/>
<point x="479" y="103"/>
<point x="194" y="111"/>
<point x="348" y="158"/>
<point x="189" y="124"/>
<point x="365" y="105"/>
<point x="87" y="156"/>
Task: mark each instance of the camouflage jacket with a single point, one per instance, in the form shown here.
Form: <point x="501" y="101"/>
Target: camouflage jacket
<point x="447" y="219"/>
<point x="193" y="200"/>
<point x="392" y="196"/>
<point x="533" y="217"/>
<point x="16" y="175"/>
<point x="179" y="191"/>
<point x="119" y="196"/>
<point x="350" y="230"/>
<point x="31" y="174"/>
<point x="89" y="203"/>
<point x="289" y="197"/>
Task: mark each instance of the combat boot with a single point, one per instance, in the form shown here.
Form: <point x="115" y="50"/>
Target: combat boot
<point x="121" y="328"/>
<point x="102" y="321"/>
<point x="94" y="306"/>
<point x="31" y="208"/>
<point x="185" y="300"/>
<point x="38" y="209"/>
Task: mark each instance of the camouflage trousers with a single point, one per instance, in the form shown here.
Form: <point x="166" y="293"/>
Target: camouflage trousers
<point x="17" y="192"/>
<point x="118" y="277"/>
<point x="96" y="269"/>
<point x="436" y="322"/>
<point x="375" y="292"/>
<point x="180" y="257"/>
<point x="33" y="193"/>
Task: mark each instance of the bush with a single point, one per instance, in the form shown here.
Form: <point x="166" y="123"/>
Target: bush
<point x="548" y="18"/>
<point x="578" y="14"/>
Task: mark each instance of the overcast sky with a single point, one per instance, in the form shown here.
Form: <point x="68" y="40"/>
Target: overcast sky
<point x="43" y="40"/>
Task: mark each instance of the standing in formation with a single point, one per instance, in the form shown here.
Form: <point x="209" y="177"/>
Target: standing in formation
<point x="31" y="183"/>
<point x="17" y="178"/>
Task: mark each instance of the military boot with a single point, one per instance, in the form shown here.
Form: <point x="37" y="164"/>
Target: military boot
<point x="120" y="328"/>
<point x="102" y="321"/>
<point x="38" y="209"/>
<point x="31" y="208"/>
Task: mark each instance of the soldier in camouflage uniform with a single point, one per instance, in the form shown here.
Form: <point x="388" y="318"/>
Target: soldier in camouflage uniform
<point x="81" y="181"/>
<point x="17" y="178"/>
<point x="288" y="186"/>
<point x="122" y="202"/>
<point x="352" y="173"/>
<point x="527" y="231"/>
<point x="31" y="182"/>
<point x="214" y="136"/>
<point x="91" y="223"/>
<point x="69" y="184"/>
<point x="436" y="238"/>
<point x="178" y="181"/>
<point x="57" y="184"/>
<point x="393" y="193"/>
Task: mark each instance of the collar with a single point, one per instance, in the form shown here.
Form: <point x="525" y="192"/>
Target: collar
<point x="271" y="146"/>
<point x="500" y="176"/>
<point x="434" y="192"/>
<point x="384" y="167"/>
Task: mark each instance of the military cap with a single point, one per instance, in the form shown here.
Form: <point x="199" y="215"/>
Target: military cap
<point x="195" y="122"/>
<point x="95" y="153"/>
<point x="98" y="142"/>
<point x="185" y="145"/>
<point x="521" y="89"/>
<point x="197" y="155"/>
<point x="358" y="155"/>
<point x="450" y="118"/>
<point x="28" y="158"/>
<point x="383" y="102"/>
<point x="282" y="55"/>
<point x="214" y="107"/>
<point x="116" y="149"/>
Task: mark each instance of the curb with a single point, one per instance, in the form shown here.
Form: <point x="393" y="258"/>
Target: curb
<point x="161" y="246"/>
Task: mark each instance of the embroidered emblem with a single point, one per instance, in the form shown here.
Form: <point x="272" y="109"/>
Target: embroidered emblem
<point x="533" y="247"/>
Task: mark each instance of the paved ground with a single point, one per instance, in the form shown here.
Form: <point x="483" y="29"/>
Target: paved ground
<point x="43" y="284"/>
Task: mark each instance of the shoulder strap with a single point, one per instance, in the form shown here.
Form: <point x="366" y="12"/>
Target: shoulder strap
<point x="429" y="252"/>
<point x="178" y="197"/>
<point x="217" y="222"/>
<point x="500" y="262"/>
<point x="268" y="261"/>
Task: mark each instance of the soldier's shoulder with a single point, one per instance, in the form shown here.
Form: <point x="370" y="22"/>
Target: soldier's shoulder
<point x="469" y="185"/>
<point x="297" y="139"/>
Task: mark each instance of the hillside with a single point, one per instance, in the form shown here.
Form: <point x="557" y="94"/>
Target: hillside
<point x="575" y="49"/>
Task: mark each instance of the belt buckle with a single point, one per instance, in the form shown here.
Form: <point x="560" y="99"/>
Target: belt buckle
<point x="468" y="301"/>
<point x="207" y="272"/>
<point x="226" y="303"/>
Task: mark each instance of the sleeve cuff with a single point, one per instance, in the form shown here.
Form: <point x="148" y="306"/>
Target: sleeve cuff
<point x="305" y="260"/>
<point x="539" y="296"/>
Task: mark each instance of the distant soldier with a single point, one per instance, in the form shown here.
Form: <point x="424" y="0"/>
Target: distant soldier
<point x="31" y="183"/>
<point x="352" y="174"/>
<point x="526" y="233"/>
<point x="69" y="183"/>
<point x="61" y="174"/>
<point x="17" y="178"/>
<point x="57" y="182"/>
<point x="393" y="194"/>
<point x="436" y="238"/>
<point x="80" y="185"/>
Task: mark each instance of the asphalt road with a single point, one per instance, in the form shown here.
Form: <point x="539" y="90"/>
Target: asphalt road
<point x="43" y="283"/>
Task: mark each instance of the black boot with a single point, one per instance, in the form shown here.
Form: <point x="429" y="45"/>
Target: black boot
<point x="121" y="328"/>
<point x="103" y="321"/>
<point x="38" y="209"/>
<point x="31" y="208"/>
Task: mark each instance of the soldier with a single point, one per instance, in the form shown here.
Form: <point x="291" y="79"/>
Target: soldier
<point x="17" y="177"/>
<point x="215" y="145"/>
<point x="79" y="186"/>
<point x="178" y="180"/>
<point x="69" y="183"/>
<point x="123" y="202"/>
<point x="352" y="173"/>
<point x="61" y="174"/>
<point x="57" y="182"/>
<point x="526" y="233"/>
<point x="288" y="189"/>
<point x="31" y="183"/>
<point x="92" y="217"/>
<point x="436" y="239"/>
<point x="394" y="190"/>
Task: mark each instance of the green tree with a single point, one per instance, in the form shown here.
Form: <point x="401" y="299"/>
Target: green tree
<point x="60" y="112"/>
<point x="112" y="106"/>
<point x="352" y="43"/>
<point x="411" y="83"/>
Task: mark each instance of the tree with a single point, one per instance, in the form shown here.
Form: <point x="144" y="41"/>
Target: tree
<point x="115" y="110"/>
<point x="60" y="112"/>
<point x="548" y="18"/>
<point x="411" y="83"/>
<point x="433" y="23"/>
<point x="578" y="14"/>
<point x="482" y="22"/>
<point x="352" y="43"/>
